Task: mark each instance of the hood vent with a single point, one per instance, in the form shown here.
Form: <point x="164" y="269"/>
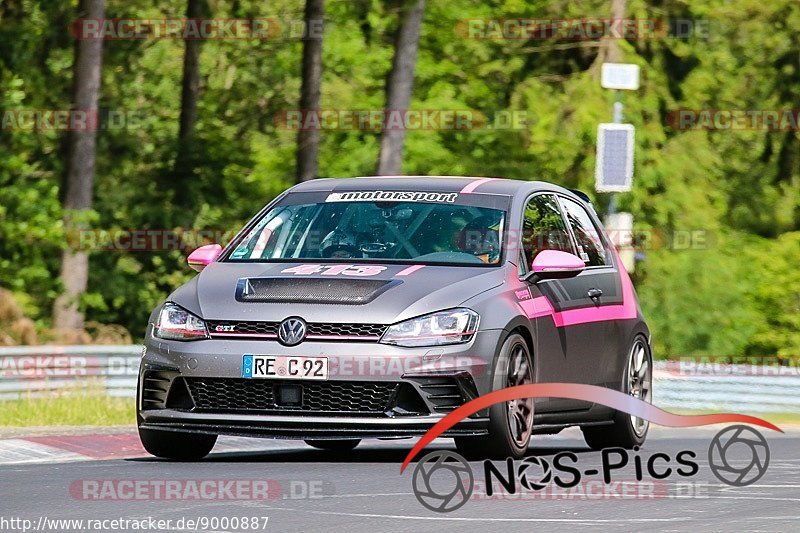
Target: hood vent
<point x="311" y="290"/>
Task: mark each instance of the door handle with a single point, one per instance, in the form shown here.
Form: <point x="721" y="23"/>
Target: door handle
<point x="594" y="294"/>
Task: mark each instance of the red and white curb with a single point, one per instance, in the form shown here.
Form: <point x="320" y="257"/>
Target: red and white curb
<point x="94" y="447"/>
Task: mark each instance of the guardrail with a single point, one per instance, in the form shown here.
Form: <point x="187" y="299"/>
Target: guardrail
<point x="37" y="370"/>
<point x="741" y="388"/>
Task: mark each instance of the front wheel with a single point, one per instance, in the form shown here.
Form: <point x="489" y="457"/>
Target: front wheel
<point x="177" y="445"/>
<point x="627" y="431"/>
<point x="510" y="423"/>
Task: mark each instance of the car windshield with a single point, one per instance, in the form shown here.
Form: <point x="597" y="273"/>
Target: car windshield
<point x="363" y="230"/>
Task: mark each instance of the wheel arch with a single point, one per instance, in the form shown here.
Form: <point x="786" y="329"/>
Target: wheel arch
<point x="522" y="327"/>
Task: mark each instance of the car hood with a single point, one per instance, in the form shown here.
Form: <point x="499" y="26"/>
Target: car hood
<point x="380" y="294"/>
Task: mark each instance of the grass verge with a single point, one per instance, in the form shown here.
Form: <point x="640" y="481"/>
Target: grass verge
<point x="89" y="406"/>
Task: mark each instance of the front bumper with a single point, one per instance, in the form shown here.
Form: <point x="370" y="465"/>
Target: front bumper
<point x="373" y="390"/>
<point x="291" y="427"/>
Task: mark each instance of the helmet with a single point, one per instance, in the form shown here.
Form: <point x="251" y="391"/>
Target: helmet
<point x="339" y="244"/>
<point x="481" y="237"/>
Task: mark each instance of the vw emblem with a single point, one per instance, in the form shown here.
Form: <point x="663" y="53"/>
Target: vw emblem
<point x="292" y="331"/>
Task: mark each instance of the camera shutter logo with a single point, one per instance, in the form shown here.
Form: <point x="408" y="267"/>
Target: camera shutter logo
<point x="292" y="331"/>
<point x="443" y="481"/>
<point x="738" y="455"/>
<point x="527" y="473"/>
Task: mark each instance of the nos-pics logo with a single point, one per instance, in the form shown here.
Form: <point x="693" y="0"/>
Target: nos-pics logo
<point x="443" y="481"/>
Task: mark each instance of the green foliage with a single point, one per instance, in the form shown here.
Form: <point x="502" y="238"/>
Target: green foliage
<point x="693" y="295"/>
<point x="738" y="294"/>
<point x="776" y="293"/>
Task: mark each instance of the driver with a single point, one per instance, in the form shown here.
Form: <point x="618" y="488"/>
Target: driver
<point x="339" y="244"/>
<point x="481" y="238"/>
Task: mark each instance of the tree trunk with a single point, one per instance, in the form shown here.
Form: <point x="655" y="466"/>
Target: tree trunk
<point x="190" y="93"/>
<point x="308" y="139"/>
<point x="80" y="173"/>
<point x="399" y="86"/>
<point x="610" y="50"/>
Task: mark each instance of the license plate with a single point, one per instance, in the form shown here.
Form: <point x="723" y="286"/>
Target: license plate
<point x="284" y="367"/>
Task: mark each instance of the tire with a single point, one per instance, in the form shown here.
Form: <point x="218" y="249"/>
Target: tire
<point x="177" y="445"/>
<point x="344" y="445"/>
<point x="626" y="431"/>
<point x="503" y="441"/>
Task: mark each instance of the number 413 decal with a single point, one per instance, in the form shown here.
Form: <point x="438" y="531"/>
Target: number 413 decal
<point x="335" y="270"/>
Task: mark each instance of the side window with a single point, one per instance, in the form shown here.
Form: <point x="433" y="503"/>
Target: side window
<point x="590" y="242"/>
<point x="543" y="227"/>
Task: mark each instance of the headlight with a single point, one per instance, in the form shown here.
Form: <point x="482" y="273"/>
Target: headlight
<point x="177" y="324"/>
<point x="455" y="326"/>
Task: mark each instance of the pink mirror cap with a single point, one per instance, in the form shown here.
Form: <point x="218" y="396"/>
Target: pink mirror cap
<point x="204" y="256"/>
<point x="555" y="260"/>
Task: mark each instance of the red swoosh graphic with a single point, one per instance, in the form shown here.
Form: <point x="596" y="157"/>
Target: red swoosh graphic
<point x="588" y="393"/>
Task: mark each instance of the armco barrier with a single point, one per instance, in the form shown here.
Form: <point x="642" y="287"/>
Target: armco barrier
<point x="39" y="369"/>
<point x="741" y="388"/>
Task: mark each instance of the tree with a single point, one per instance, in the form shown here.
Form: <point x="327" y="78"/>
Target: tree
<point x="308" y="138"/>
<point x="399" y="86"/>
<point x="80" y="173"/>
<point x="610" y="50"/>
<point x="190" y="93"/>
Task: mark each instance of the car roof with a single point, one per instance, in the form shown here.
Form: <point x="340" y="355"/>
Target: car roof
<point x="460" y="184"/>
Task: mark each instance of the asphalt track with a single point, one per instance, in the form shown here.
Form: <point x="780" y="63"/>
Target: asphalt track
<point x="364" y="491"/>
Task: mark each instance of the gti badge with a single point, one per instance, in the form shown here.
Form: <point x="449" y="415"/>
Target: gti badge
<point x="226" y="328"/>
<point x="292" y="331"/>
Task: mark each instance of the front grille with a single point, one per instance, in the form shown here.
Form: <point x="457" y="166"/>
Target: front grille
<point x="235" y="395"/>
<point x="346" y="330"/>
<point x="320" y="331"/>
<point x="311" y="290"/>
<point x="244" y="328"/>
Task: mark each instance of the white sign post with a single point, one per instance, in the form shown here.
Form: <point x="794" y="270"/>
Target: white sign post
<point x="620" y="76"/>
<point x="614" y="164"/>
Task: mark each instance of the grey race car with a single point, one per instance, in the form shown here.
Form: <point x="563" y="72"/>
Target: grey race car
<point x="372" y="307"/>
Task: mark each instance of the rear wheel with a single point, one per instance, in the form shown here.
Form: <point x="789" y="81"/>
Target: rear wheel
<point x="510" y="423"/>
<point x="177" y="445"/>
<point x="627" y="431"/>
<point x="343" y="445"/>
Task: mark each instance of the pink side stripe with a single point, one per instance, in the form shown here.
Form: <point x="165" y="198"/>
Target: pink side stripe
<point x="409" y="270"/>
<point x="541" y="306"/>
<point x="471" y="186"/>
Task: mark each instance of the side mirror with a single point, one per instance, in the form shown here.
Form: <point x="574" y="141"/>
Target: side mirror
<point x="204" y="256"/>
<point x="554" y="264"/>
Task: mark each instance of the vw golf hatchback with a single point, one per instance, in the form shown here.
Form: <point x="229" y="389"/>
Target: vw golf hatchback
<point x="372" y="307"/>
